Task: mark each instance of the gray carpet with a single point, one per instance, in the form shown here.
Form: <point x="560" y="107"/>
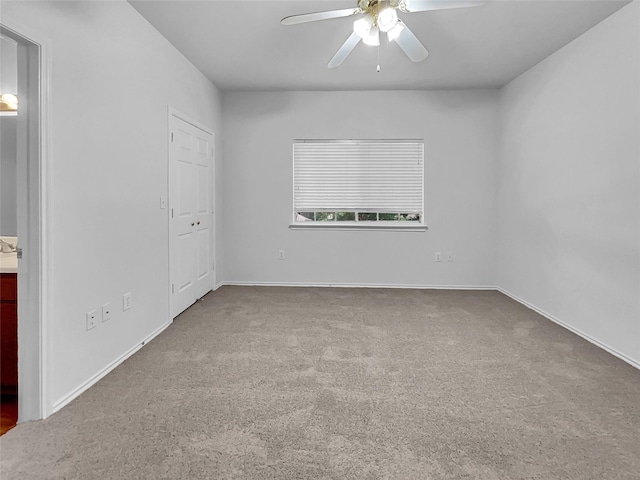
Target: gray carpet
<point x="261" y="382"/>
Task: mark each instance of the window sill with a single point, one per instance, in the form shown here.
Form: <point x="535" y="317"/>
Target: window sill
<point x="355" y="226"/>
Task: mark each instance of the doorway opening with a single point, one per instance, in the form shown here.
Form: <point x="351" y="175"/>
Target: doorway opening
<point x="8" y="234"/>
<point x="23" y="200"/>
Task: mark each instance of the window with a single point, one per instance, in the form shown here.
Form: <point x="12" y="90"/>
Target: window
<point x="358" y="183"/>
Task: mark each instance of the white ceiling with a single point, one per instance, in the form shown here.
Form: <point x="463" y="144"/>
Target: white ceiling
<point x="240" y="44"/>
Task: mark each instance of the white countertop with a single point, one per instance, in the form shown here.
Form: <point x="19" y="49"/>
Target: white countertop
<point x="9" y="260"/>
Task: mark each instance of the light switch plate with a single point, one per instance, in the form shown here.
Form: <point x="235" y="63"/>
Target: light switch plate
<point x="126" y="301"/>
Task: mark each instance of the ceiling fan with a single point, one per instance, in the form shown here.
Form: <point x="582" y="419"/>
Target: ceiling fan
<point x="380" y="16"/>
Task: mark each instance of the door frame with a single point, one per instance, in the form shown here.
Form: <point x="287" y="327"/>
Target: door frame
<point x="173" y="112"/>
<point x="34" y="270"/>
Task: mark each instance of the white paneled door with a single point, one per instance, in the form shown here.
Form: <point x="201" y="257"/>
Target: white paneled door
<point x="190" y="214"/>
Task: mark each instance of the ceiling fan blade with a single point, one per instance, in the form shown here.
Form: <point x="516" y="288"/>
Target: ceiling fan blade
<point x="410" y="45"/>
<point x="344" y="51"/>
<point x="314" y="17"/>
<point x="426" y="5"/>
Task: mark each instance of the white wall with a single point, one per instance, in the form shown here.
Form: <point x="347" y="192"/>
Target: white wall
<point x="112" y="78"/>
<point x="8" y="139"/>
<point x="8" y="66"/>
<point x="569" y="185"/>
<point x="8" y="153"/>
<point x="460" y="134"/>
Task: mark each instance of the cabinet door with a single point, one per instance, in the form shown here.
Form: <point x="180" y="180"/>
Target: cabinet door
<point x="9" y="287"/>
<point x="9" y="346"/>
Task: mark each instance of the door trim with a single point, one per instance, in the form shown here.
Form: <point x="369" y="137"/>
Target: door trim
<point x="173" y="112"/>
<point x="34" y="300"/>
<point x="176" y="113"/>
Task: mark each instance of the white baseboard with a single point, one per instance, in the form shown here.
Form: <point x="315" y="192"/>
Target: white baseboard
<point x="357" y="285"/>
<point x="578" y="332"/>
<point x="102" y="373"/>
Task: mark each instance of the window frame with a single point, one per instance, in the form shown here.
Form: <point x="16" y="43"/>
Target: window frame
<point x="398" y="225"/>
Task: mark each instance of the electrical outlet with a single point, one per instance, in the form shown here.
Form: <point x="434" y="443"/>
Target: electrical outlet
<point x="92" y="319"/>
<point x="281" y="254"/>
<point x="106" y="312"/>
<point x="126" y="301"/>
<point x="437" y="257"/>
<point x="449" y="257"/>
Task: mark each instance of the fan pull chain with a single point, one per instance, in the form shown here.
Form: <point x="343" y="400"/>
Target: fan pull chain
<point x="378" y="69"/>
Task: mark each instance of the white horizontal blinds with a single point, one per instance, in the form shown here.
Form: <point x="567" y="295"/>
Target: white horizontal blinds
<point x="364" y="176"/>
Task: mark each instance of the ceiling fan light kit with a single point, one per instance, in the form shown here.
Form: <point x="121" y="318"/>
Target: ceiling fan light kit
<point x="373" y="38"/>
<point x="380" y="16"/>
<point x="387" y="19"/>
<point x="362" y="26"/>
<point x="8" y="102"/>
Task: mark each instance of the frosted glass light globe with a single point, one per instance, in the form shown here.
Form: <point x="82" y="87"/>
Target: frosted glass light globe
<point x="362" y="26"/>
<point x="373" y="39"/>
<point x="10" y="100"/>
<point x="387" y="19"/>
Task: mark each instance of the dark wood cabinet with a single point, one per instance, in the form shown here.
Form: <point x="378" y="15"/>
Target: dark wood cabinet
<point x="9" y="333"/>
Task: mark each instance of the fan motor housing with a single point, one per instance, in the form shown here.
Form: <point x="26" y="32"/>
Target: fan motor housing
<point x="374" y="6"/>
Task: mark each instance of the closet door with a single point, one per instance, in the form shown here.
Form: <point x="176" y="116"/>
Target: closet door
<point x="190" y="222"/>
<point x="203" y="214"/>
